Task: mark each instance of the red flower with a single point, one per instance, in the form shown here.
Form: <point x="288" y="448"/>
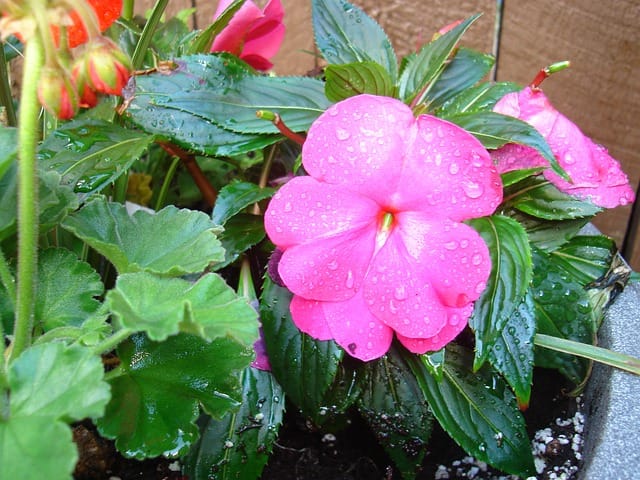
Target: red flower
<point x="254" y="35"/>
<point x="57" y="93"/>
<point x="107" y="13"/>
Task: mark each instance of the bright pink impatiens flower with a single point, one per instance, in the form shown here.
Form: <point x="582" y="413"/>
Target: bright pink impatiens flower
<point x="372" y="239"/>
<point x="254" y="35"/>
<point x="595" y="175"/>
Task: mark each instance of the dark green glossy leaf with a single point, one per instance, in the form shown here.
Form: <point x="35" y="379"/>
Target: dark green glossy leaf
<point x="170" y="242"/>
<point x="159" y="389"/>
<point x="90" y="154"/>
<point x="510" y="276"/>
<point x="162" y="306"/>
<point x="59" y="382"/>
<point x="67" y="288"/>
<point x="538" y="197"/>
<point x="480" y="98"/>
<point x="344" y="81"/>
<point x="562" y="310"/>
<point x="516" y="176"/>
<point x="484" y="421"/>
<point x="30" y="446"/>
<point x="424" y="67"/>
<point x="238" y="445"/>
<point x="235" y="197"/>
<point x="346" y="34"/>
<point x="241" y="232"/>
<point x="495" y="130"/>
<point x="306" y="368"/>
<point x="221" y="89"/>
<point x="466" y="68"/>
<point x="512" y="353"/>
<point x="585" y="257"/>
<point x="548" y="234"/>
<point x="8" y="148"/>
<point x="394" y="407"/>
<point x="12" y="48"/>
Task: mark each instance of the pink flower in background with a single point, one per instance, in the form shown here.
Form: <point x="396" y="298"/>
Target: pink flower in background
<point x="595" y="175"/>
<point x="254" y="35"/>
<point x="372" y="239"/>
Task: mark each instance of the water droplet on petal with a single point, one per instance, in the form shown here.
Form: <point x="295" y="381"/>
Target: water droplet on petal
<point x="569" y="159"/>
<point x="476" y="259"/>
<point x="288" y="207"/>
<point x="472" y="189"/>
<point x="400" y="293"/>
<point x="452" y="245"/>
<point x="454" y="168"/>
<point x="342" y="134"/>
<point x="349" y="282"/>
<point x="333" y="265"/>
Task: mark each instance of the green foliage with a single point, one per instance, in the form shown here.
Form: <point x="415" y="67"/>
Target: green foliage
<point x="344" y="81"/>
<point x="235" y="197"/>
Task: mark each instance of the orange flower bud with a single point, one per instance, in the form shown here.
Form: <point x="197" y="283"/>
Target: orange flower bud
<point x="88" y="97"/>
<point x="105" y="66"/>
<point x="57" y="92"/>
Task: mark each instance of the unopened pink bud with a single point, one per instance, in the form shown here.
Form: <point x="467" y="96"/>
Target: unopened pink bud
<point x="57" y="92"/>
<point x="106" y="67"/>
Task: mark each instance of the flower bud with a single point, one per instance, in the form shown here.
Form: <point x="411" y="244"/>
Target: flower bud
<point x="106" y="67"/>
<point x="88" y="97"/>
<point x="57" y="93"/>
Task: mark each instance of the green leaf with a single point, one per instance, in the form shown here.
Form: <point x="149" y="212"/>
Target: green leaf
<point x="512" y="353"/>
<point x="162" y="307"/>
<point x="510" y="276"/>
<point x="344" y="81"/>
<point x="549" y="234"/>
<point x="67" y="288"/>
<point x="221" y="89"/>
<point x="466" y="68"/>
<point x="170" y="242"/>
<point x="204" y="39"/>
<point x="55" y="201"/>
<point x="239" y="444"/>
<point x="59" y="382"/>
<point x="235" y="197"/>
<point x="562" y="310"/>
<point x="346" y="34"/>
<point x="241" y="232"/>
<point x="538" y="197"/>
<point x="516" y="176"/>
<point x="157" y="395"/>
<point x="394" y="407"/>
<point x="495" y="130"/>
<point x="8" y="148"/>
<point x="31" y="446"/>
<point x="306" y="368"/>
<point x="90" y="154"/>
<point x="424" y="67"/>
<point x="480" y="98"/>
<point x="485" y="422"/>
<point x="586" y="257"/>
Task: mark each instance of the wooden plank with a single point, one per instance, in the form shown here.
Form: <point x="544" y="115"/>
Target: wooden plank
<point x="600" y="91"/>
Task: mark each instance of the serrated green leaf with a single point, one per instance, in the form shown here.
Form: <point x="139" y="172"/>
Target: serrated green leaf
<point x="424" y="67"/>
<point x="510" y="276"/>
<point x="585" y="257"/>
<point x="395" y="409"/>
<point x="495" y="130"/>
<point x="562" y="310"/>
<point x="162" y="307"/>
<point x="548" y="234"/>
<point x="241" y="232"/>
<point x="344" y="33"/>
<point x="480" y="98"/>
<point x="238" y="445"/>
<point x="221" y="89"/>
<point x="485" y="422"/>
<point x="305" y="367"/>
<point x="235" y="197"/>
<point x="59" y="382"/>
<point x="8" y="148"/>
<point x="466" y="68"/>
<point x="90" y="154"/>
<point x="344" y="81"/>
<point x="67" y="288"/>
<point x="170" y="242"/>
<point x="30" y="446"/>
<point x="538" y="197"/>
<point x="157" y="395"/>
<point x="512" y="353"/>
<point x="55" y="201"/>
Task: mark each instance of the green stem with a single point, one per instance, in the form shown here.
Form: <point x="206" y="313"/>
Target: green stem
<point x="591" y="352"/>
<point x="162" y="195"/>
<point x="147" y="34"/>
<point x="5" y="90"/>
<point x="128" y="9"/>
<point x="27" y="196"/>
<point x="112" y="342"/>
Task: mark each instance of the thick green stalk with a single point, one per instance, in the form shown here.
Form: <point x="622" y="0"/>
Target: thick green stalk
<point x="27" y="196"/>
<point x="128" y="9"/>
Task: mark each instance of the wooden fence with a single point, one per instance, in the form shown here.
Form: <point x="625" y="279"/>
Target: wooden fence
<point x="600" y="92"/>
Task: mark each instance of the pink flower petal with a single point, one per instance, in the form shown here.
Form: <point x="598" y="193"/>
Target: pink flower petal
<point x="461" y="182"/>
<point x="308" y="316"/>
<point x="231" y="38"/>
<point x="305" y="209"/>
<point x="517" y="157"/>
<point x="456" y="322"/>
<point x="356" y="330"/>
<point x="359" y="144"/>
<point x="329" y="268"/>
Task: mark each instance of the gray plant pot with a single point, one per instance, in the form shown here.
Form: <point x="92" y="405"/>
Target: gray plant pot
<point x="612" y="399"/>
